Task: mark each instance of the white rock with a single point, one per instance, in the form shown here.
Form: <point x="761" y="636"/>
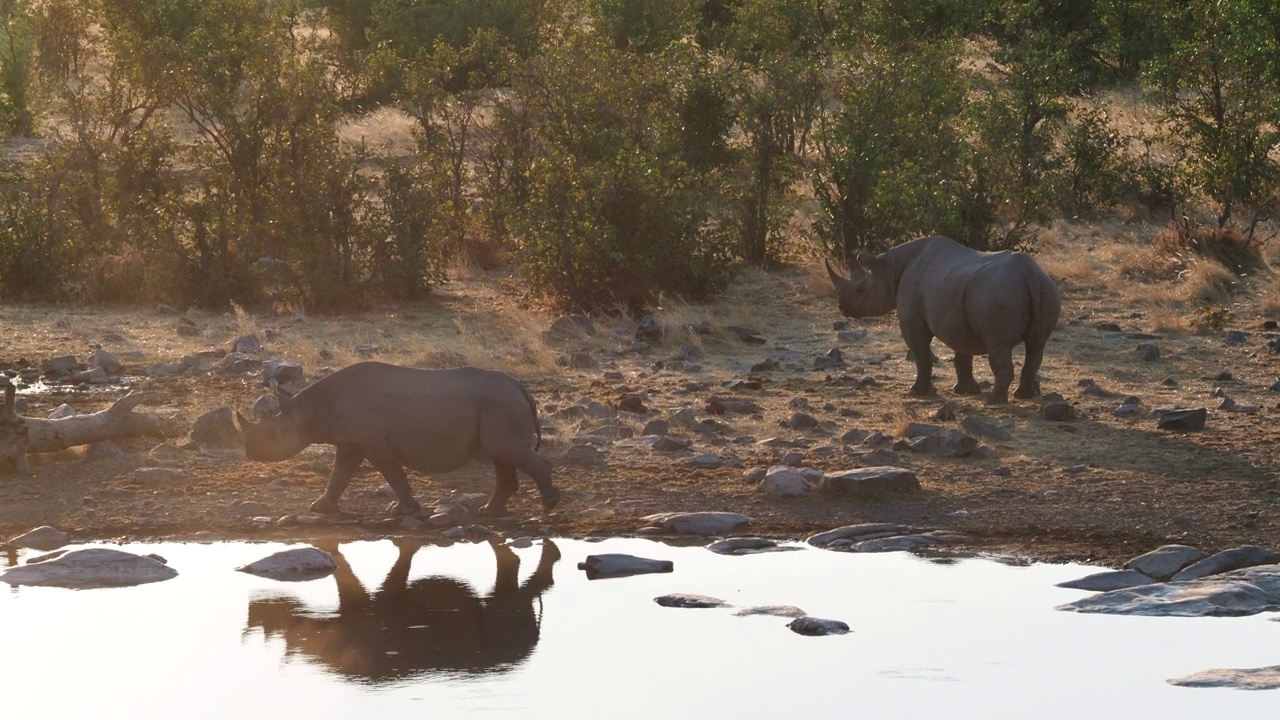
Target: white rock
<point x="790" y="611"/>
<point x="89" y="568"/>
<point x="1165" y="561"/>
<point x="42" y="538"/>
<point x="783" y="480"/>
<point x="698" y="523"/>
<point x="1263" y="678"/>
<point x="689" y="600"/>
<point x="292" y="565"/>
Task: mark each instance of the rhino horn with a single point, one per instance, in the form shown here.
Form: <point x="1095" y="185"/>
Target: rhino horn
<point x="836" y="278"/>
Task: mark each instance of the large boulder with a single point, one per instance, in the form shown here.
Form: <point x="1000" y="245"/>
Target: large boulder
<point x="871" y="482"/>
<point x="1165" y="561"/>
<point x="41" y="538"/>
<point x="1239" y="592"/>
<point x="293" y="565"/>
<point x="89" y="568"/>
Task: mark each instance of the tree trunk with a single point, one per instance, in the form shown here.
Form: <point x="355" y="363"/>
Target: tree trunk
<point x="21" y="435"/>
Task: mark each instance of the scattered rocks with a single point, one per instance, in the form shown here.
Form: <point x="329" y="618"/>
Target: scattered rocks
<point x="217" y="429"/>
<point x="1148" y="352"/>
<point x="89" y="568"/>
<point x="1233" y="559"/>
<point x="813" y="626"/>
<point x="1059" y="411"/>
<point x="1165" y="561"/>
<point x="282" y="372"/>
<point x="1109" y="580"/>
<point x="689" y="600"/>
<point x="1236" y="593"/>
<point x="789" y="611"/>
<point x="1263" y="678"/>
<point x="611" y="565"/>
<point x="1183" y="419"/>
<point x="698" y="523"/>
<point x="745" y="546"/>
<point x="293" y="565"/>
<point x="783" y="480"/>
<point x="857" y="533"/>
<point x="871" y="482"/>
<point x="41" y="538"/>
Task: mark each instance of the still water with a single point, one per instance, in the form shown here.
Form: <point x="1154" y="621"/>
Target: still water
<point x="466" y="631"/>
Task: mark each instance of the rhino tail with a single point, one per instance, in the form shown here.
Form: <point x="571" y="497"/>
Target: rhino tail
<point x="533" y="410"/>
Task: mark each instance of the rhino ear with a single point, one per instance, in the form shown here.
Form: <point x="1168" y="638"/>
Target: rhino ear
<point x="867" y="260"/>
<point x="285" y="400"/>
<point x="242" y="422"/>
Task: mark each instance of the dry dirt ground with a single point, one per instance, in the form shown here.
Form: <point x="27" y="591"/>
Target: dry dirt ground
<point x="1100" y="488"/>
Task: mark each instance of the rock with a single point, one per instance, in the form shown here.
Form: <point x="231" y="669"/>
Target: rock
<point x="293" y="565"/>
<point x="282" y="372"/>
<point x="1165" y="561"/>
<point x="1180" y="419"/>
<point x="851" y="336"/>
<point x="650" y="330"/>
<point x="568" y="327"/>
<point x="984" y="428"/>
<point x="165" y="369"/>
<point x="871" y="482"/>
<point x="1234" y="559"/>
<point x="245" y="344"/>
<point x="155" y="475"/>
<point x="62" y="411"/>
<point x="698" y="523"/>
<point x="860" y="532"/>
<point x="656" y="426"/>
<point x="265" y="405"/>
<point x="896" y="543"/>
<point x="745" y="334"/>
<point x="63" y="365"/>
<point x="706" y="461"/>
<point x="945" y="413"/>
<point x="109" y="363"/>
<point x="783" y="480"/>
<point x="609" y="565"/>
<point x="580" y="360"/>
<point x="367" y="349"/>
<point x="689" y="600"/>
<point x="103" y="450"/>
<point x="95" y="375"/>
<point x="89" y="568"/>
<point x="216" y="429"/>
<point x="1148" y="352"/>
<point x="1058" y="412"/>
<point x="1236" y="337"/>
<point x="1236" y="593"/>
<point x="802" y="421"/>
<point x="790" y="611"/>
<point x="1223" y="376"/>
<point x="940" y="442"/>
<point x="188" y="330"/>
<point x="744" y="546"/>
<point x="1109" y="580"/>
<point x="669" y="444"/>
<point x="41" y="538"/>
<point x="809" y="625"/>
<point x="1263" y="678"/>
<point x="237" y="364"/>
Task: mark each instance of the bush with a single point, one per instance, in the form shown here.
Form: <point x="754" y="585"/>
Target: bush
<point x="1228" y="247"/>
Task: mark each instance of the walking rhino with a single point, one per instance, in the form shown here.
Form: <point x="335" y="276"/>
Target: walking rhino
<point x="432" y="421"/>
<point x="977" y="303"/>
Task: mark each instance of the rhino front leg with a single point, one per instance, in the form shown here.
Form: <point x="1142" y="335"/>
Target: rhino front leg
<point x="345" y="465"/>
<point x="389" y="465"/>
<point x="965" y="383"/>
<point x="1002" y="368"/>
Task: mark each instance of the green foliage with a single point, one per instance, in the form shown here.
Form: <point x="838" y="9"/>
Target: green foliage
<point x="642" y="26"/>
<point x="17" y="48"/>
<point x="612" y="214"/>
<point x="1219" y="85"/>
<point x="893" y="152"/>
<point x="1097" y="170"/>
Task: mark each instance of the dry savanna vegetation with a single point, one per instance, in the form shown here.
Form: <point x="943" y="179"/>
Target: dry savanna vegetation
<point x="434" y="183"/>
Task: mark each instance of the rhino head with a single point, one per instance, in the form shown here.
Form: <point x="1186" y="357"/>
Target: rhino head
<point x="868" y="291"/>
<point x="275" y="437"/>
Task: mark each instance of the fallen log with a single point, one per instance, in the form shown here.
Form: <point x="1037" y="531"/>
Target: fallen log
<point x="21" y="435"/>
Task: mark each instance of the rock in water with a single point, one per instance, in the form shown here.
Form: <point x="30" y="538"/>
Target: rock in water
<point x="809" y="625"/>
<point x="609" y="565"/>
<point x="689" y="600"/>
<point x="1263" y="678"/>
<point x="293" y="565"/>
<point x="89" y="568"/>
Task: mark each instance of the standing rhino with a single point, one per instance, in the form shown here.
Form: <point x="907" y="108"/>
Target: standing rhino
<point x="978" y="303"/>
<point x="432" y="421"/>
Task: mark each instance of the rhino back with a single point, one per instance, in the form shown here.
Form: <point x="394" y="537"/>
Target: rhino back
<point x="431" y="418"/>
<point x="971" y="300"/>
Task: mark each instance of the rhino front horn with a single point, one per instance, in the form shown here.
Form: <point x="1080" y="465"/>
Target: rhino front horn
<point x="836" y="278"/>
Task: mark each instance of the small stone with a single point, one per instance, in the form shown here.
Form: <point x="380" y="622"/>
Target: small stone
<point x="689" y="600"/>
<point x="294" y="565"/>
<point x="608" y="565"/>
<point x="813" y="626"/>
<point x="1148" y="352"/>
<point x="41" y="538"/>
<point x="1180" y="419"/>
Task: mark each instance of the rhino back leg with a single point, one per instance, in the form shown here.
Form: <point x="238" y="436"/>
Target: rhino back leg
<point x="965" y="383"/>
<point x="505" y="484"/>
<point x="1002" y="367"/>
<point x="345" y="465"/>
<point x="1029" y="383"/>
<point x="385" y="461"/>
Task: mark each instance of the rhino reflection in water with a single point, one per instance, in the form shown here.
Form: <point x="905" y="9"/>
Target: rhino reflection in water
<point x="410" y="628"/>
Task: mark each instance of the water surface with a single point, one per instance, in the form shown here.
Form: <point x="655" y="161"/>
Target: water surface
<point x="462" y="631"/>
